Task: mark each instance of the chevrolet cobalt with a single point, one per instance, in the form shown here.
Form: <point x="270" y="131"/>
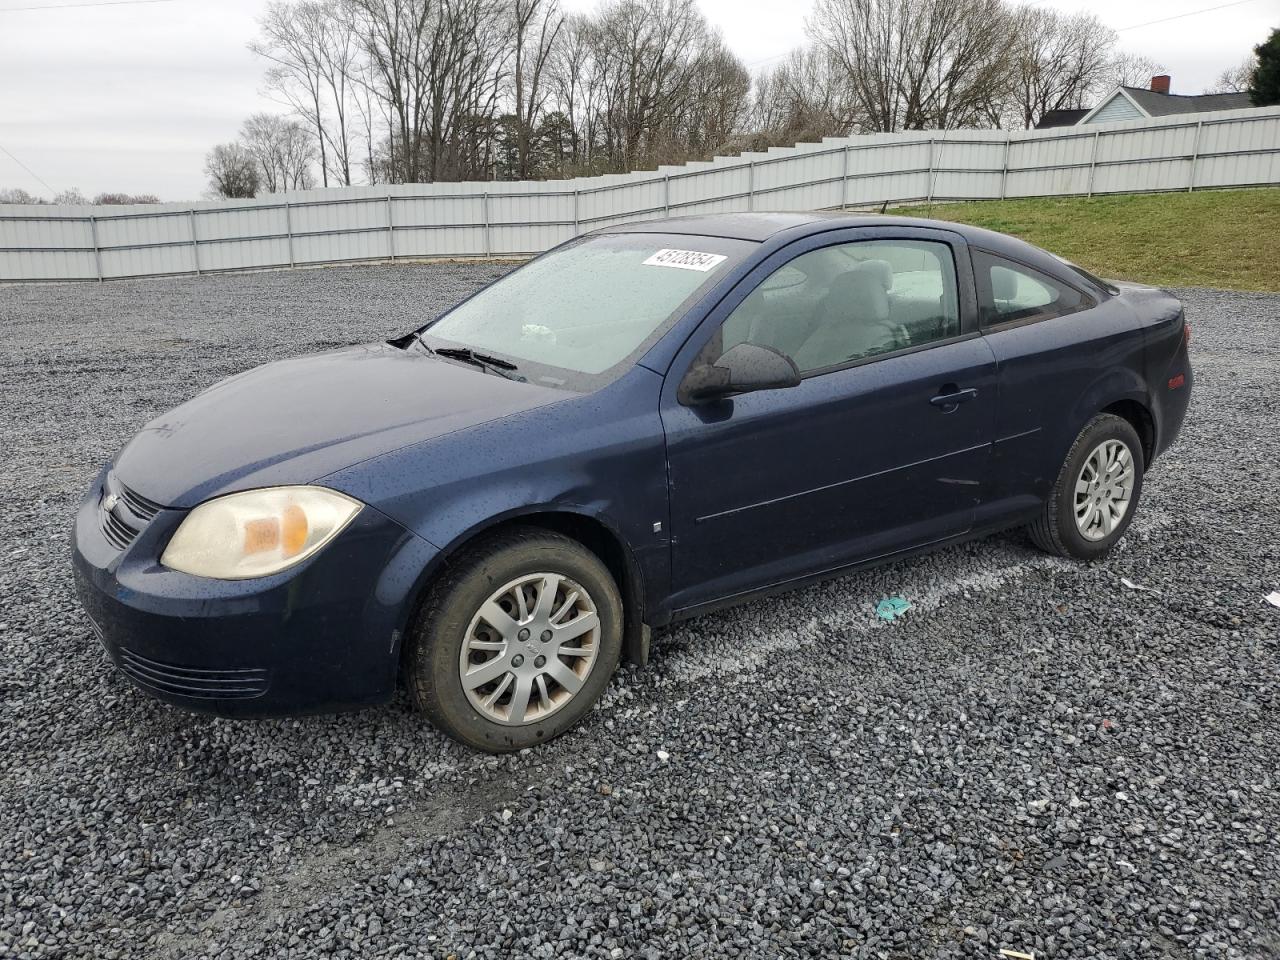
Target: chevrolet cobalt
<point x="646" y="423"/>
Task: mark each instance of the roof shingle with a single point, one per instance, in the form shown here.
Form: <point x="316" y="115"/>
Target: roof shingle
<point x="1061" y="118"/>
<point x="1165" y="104"/>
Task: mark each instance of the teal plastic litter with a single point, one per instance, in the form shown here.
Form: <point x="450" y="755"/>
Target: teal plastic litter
<point x="891" y="608"/>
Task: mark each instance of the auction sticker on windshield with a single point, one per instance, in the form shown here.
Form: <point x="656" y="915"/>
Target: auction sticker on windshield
<point x="685" y="260"/>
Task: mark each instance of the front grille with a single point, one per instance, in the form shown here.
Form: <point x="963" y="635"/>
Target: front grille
<point x="118" y="533"/>
<point x="130" y="513"/>
<point x="232" y="684"/>
<point x="140" y="506"/>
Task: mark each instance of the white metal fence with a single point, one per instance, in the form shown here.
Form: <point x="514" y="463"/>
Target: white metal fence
<point x="412" y="221"/>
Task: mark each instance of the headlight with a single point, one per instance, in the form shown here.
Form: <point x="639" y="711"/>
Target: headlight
<point x="258" y="532"/>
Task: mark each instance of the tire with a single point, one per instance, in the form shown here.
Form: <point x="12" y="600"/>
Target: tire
<point x="452" y="634"/>
<point x="1057" y="529"/>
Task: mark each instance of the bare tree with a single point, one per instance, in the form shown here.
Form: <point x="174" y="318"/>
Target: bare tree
<point x="536" y="25"/>
<point x="804" y="98"/>
<point x="313" y="49"/>
<point x="571" y="74"/>
<point x="338" y="64"/>
<point x="232" y="171"/>
<point x="116" y="199"/>
<point x="1132" y="70"/>
<point x="717" y="101"/>
<point x="1235" y="79"/>
<point x="371" y="114"/>
<point x="435" y="89"/>
<point x="283" y="150"/>
<point x="468" y="96"/>
<point x="647" y="51"/>
<point x="439" y="68"/>
<point x="1059" y="62"/>
<point x="72" y="196"/>
<point x="388" y="32"/>
<point x="455" y="89"/>
<point x="16" y="195"/>
<point x="428" y="90"/>
<point x="914" y="64"/>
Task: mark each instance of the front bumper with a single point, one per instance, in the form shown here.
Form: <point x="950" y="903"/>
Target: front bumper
<point x="322" y="636"/>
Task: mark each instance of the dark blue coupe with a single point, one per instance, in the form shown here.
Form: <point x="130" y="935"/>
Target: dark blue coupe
<point x="645" y="423"/>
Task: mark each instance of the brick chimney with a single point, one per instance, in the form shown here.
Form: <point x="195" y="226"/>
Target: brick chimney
<point x="1160" y="83"/>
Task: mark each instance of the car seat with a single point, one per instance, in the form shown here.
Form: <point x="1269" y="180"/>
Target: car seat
<point x="852" y="320"/>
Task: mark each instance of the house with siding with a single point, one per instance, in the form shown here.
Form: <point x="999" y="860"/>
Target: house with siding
<point x="1136" y="103"/>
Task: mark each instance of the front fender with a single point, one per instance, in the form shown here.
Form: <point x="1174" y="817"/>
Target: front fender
<point x="600" y="456"/>
<point x="601" y="533"/>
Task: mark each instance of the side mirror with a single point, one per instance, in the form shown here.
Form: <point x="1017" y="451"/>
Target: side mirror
<point x="744" y="368"/>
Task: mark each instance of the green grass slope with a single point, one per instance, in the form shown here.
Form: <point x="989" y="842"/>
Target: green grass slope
<point x="1228" y="239"/>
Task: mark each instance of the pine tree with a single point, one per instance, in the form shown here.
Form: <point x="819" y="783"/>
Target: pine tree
<point x="1264" y="89"/>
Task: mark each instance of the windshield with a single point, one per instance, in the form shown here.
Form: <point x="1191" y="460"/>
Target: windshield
<point x="571" y="318"/>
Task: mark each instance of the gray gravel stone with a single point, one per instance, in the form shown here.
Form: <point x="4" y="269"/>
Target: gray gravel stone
<point x="1036" y="757"/>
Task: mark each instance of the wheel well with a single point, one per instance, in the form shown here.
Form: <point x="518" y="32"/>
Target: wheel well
<point x="1140" y="419"/>
<point x="593" y="535"/>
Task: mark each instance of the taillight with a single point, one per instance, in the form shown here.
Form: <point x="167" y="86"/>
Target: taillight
<point x="1186" y="332"/>
<point x="1178" y="381"/>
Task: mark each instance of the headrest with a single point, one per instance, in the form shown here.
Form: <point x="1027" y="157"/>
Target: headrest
<point x="1004" y="284"/>
<point x="860" y="294"/>
<point x="879" y="269"/>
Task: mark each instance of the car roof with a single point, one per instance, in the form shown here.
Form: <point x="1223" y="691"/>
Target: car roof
<point x="760" y="227"/>
<point x="734" y="226"/>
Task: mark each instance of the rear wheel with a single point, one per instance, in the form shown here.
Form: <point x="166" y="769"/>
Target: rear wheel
<point x="1094" y="498"/>
<point x="516" y="642"/>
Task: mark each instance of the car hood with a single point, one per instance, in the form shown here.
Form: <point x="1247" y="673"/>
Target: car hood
<point x="296" y="420"/>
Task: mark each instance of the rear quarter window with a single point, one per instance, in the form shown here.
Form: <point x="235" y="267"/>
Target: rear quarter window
<point x="1010" y="292"/>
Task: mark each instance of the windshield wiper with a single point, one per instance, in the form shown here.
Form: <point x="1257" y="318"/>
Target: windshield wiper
<point x="466" y="353"/>
<point x="496" y="365"/>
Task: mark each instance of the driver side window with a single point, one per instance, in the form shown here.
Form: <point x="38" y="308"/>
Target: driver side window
<point x="848" y="302"/>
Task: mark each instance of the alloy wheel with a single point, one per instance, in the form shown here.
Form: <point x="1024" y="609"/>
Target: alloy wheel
<point x="1104" y="490"/>
<point x="529" y="649"/>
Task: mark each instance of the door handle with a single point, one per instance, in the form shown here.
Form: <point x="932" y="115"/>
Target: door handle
<point x="952" y="398"/>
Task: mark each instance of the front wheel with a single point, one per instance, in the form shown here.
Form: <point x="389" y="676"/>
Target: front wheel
<point x="516" y="642"/>
<point x="1094" y="498"/>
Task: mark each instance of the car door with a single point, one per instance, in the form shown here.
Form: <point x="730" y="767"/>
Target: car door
<point x="1052" y="341"/>
<point x="884" y="444"/>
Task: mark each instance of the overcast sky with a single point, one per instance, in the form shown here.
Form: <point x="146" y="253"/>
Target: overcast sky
<point x="130" y="97"/>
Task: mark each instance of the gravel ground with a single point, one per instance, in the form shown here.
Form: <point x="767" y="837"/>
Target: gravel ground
<point x="1036" y="758"/>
